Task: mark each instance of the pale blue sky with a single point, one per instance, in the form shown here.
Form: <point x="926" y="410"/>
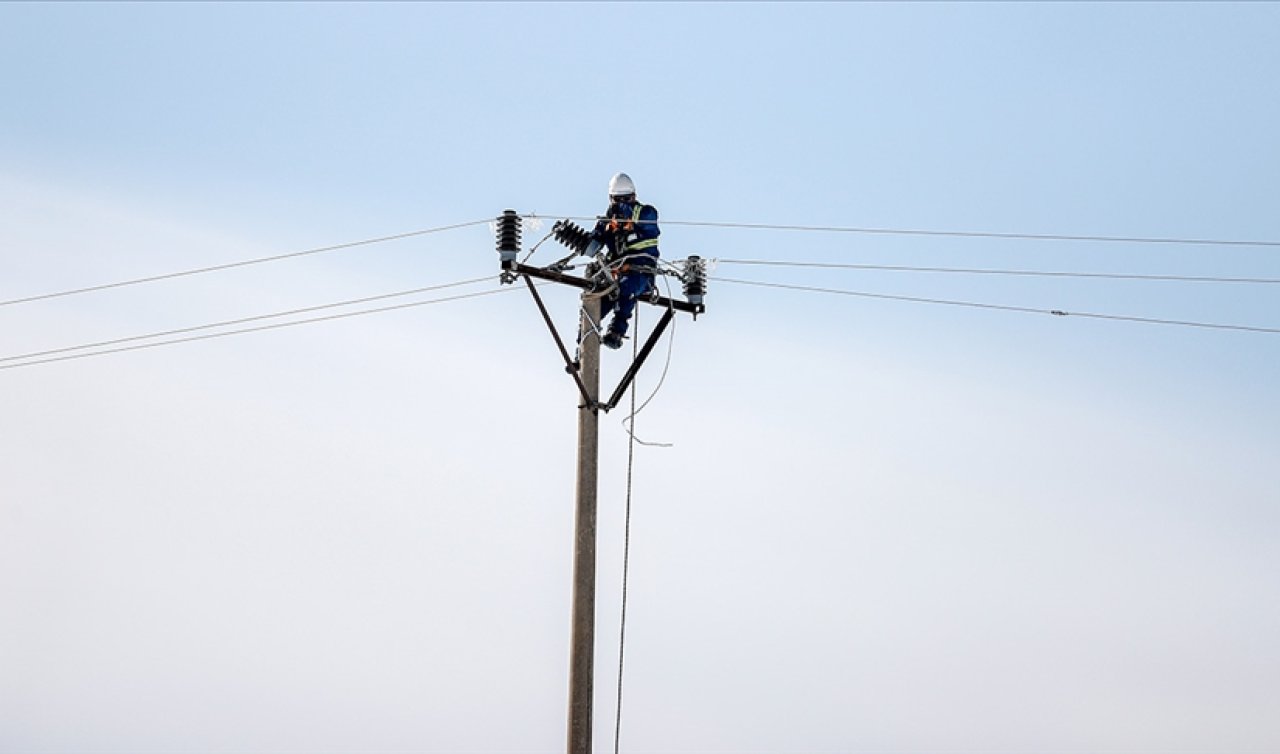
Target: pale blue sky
<point x="883" y="526"/>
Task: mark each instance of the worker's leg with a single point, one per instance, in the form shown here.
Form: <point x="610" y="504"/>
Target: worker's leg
<point x="630" y="287"/>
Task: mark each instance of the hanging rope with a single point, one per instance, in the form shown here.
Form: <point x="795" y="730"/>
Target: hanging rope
<point x="626" y="553"/>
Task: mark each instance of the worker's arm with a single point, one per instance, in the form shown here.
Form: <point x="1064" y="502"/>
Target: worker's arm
<point x="608" y="230"/>
<point x="647" y="224"/>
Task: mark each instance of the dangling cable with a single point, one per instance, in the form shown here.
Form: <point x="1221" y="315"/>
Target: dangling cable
<point x="626" y="561"/>
<point x="629" y="419"/>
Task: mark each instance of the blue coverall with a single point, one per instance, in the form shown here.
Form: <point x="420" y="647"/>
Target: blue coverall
<point x="630" y="232"/>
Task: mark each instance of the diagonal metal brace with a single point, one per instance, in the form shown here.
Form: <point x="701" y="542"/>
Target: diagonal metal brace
<point x="644" y="354"/>
<point x="569" y="365"/>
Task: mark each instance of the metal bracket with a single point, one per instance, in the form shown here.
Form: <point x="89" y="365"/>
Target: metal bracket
<point x="640" y="359"/>
<point x="569" y="365"/>
<point x="555" y="274"/>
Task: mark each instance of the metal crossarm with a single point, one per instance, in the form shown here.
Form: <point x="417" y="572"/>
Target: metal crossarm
<point x="586" y="285"/>
<point x="670" y="305"/>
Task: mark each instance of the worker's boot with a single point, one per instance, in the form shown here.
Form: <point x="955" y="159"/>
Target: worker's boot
<point x="612" y="340"/>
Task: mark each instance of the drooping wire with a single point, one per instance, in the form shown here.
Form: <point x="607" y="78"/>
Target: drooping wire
<point x="628" y="421"/>
<point x="965" y="233"/>
<point x="535" y="247"/>
<point x="626" y="540"/>
<point x="983" y="271"/>
<point x="626" y="553"/>
<point x="588" y="325"/>
<point x="1002" y="307"/>
<point x="259" y="328"/>
<point x="242" y="263"/>
<point x="242" y="320"/>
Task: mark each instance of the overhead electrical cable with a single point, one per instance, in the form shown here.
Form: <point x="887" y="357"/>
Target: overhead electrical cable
<point x="260" y="328"/>
<point x="696" y="223"/>
<point x="1001" y="307"/>
<point x="242" y="263"/>
<point x="242" y="320"/>
<point x="987" y="271"/>
<point x="957" y="233"/>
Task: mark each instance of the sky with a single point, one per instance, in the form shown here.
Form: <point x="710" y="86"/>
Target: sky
<point x="882" y="525"/>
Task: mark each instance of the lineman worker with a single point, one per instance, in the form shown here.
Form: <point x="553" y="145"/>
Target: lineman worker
<point x="630" y="232"/>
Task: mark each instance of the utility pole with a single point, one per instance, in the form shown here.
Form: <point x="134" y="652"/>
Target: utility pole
<point x="585" y="370"/>
<point x="582" y="644"/>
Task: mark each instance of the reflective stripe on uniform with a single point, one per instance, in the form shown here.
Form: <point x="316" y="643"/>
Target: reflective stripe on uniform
<point x="651" y="243"/>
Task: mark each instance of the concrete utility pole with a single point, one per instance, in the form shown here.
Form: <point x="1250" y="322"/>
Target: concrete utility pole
<point x="582" y="647"/>
<point x="585" y="371"/>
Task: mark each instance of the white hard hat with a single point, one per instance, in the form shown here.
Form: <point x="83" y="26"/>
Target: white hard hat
<point x="621" y="185"/>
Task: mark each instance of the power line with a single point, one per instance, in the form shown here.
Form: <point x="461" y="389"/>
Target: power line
<point x="987" y="271"/>
<point x="696" y="223"/>
<point x="959" y="233"/>
<point x="242" y="320"/>
<point x="256" y="329"/>
<point x="1001" y="307"/>
<point x="243" y="263"/>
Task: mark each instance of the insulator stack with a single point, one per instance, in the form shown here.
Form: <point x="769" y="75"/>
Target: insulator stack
<point x="571" y="235"/>
<point x="694" y="279"/>
<point x="508" y="238"/>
